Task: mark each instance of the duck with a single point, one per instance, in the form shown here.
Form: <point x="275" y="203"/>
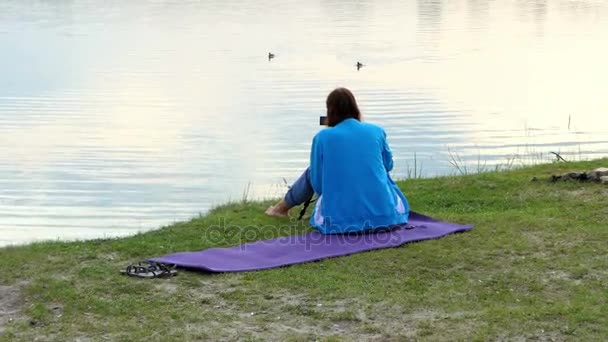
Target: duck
<point x="270" y="55"/>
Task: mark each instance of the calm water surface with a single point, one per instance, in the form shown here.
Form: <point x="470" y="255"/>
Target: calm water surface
<point x="122" y="116"/>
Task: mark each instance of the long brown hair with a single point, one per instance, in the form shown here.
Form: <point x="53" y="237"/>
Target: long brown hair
<point x="341" y="105"/>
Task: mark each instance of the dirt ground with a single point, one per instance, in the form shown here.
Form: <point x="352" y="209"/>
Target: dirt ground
<point x="9" y="304"/>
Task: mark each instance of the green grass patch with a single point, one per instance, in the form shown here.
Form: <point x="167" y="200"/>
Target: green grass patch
<point x="535" y="267"/>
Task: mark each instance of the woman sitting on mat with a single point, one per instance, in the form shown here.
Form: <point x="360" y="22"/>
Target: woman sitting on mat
<point x="349" y="165"/>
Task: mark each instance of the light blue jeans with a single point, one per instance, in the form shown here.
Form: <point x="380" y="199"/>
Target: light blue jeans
<point x="301" y="190"/>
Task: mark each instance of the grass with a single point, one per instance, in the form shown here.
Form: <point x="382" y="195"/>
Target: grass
<point x="534" y="268"/>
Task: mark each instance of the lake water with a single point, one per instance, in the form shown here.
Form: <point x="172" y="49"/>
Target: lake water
<point x="122" y="116"/>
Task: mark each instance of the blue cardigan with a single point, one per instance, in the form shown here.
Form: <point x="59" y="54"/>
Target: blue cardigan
<point x="349" y="166"/>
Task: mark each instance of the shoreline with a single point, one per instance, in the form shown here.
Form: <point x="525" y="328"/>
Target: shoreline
<point x="413" y="173"/>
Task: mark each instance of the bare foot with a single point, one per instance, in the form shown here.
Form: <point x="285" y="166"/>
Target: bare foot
<point x="272" y="211"/>
<point x="278" y="210"/>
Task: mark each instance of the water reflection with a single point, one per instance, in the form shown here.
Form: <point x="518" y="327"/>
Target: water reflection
<point x="131" y="115"/>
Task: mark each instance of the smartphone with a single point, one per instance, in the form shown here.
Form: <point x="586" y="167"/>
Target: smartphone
<point x="323" y="120"/>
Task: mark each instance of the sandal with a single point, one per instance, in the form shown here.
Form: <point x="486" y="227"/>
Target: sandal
<point x="148" y="269"/>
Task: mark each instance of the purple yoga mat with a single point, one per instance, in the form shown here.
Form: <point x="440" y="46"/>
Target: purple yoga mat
<point x="312" y="246"/>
